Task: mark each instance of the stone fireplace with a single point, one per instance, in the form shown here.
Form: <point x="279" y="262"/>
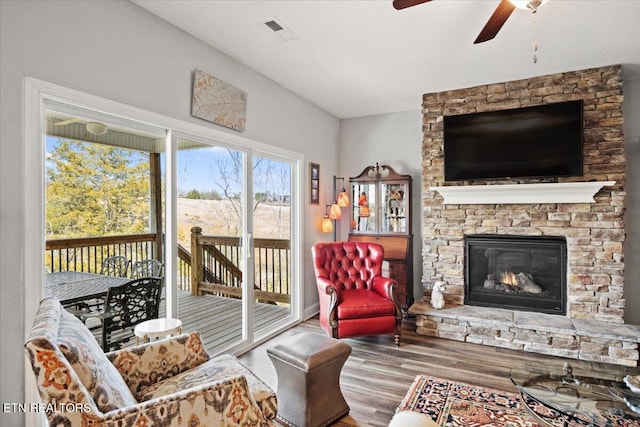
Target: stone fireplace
<point x="588" y="319"/>
<point x="516" y="272"/>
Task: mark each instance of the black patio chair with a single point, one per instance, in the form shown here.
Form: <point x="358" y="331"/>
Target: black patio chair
<point x="147" y="268"/>
<point x="126" y="306"/>
<point x="117" y="265"/>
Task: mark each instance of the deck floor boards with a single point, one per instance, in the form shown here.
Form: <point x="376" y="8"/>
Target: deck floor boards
<point x="219" y="319"/>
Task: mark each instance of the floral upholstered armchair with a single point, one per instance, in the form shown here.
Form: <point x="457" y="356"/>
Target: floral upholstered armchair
<point x="169" y="382"/>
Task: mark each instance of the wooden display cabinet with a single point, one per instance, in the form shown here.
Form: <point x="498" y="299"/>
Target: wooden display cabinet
<point x="381" y="213"/>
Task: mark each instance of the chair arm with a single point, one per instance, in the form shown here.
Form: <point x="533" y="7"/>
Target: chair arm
<point x="146" y="364"/>
<point x="384" y="286"/>
<point x="324" y="285"/>
<point x="328" y="297"/>
<point x="84" y="313"/>
<point x="222" y="402"/>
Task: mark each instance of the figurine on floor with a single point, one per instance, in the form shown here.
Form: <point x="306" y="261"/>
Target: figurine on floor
<point x="437" y="298"/>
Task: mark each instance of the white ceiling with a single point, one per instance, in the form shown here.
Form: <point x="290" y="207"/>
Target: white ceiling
<point x="362" y="57"/>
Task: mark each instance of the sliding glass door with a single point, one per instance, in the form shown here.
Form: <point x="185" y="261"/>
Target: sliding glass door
<point x="233" y="226"/>
<point x="271" y="219"/>
<point x="211" y="235"/>
<point x="220" y="211"/>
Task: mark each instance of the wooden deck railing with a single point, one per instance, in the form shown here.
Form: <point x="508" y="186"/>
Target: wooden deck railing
<point x="86" y="254"/>
<point x="219" y="258"/>
<point x="216" y="261"/>
<point x="184" y="269"/>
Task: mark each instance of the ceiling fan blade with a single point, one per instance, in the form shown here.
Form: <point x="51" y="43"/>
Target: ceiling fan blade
<point x="495" y="23"/>
<point x="66" y="122"/>
<point x="401" y="4"/>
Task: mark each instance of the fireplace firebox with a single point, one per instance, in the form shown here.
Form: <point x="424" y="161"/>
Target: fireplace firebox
<point x="525" y="273"/>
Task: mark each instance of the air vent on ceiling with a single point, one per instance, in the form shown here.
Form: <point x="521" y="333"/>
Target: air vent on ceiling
<point x="277" y="28"/>
<point x="273" y="25"/>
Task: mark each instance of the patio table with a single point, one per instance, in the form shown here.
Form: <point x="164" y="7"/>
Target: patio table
<point x="74" y="286"/>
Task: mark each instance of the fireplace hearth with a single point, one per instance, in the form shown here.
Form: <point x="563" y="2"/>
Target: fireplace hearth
<point x="525" y="273"/>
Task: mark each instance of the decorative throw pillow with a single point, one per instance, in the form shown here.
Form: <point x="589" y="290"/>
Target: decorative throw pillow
<point x="222" y="367"/>
<point x="147" y="364"/>
<point x="101" y="379"/>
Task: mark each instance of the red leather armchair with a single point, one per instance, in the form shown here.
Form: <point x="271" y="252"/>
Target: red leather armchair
<point x="355" y="299"/>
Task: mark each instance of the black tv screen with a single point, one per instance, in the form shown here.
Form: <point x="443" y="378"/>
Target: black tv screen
<point x="539" y="141"/>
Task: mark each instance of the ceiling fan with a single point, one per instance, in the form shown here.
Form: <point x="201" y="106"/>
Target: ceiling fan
<point x="94" y="128"/>
<point x="495" y="22"/>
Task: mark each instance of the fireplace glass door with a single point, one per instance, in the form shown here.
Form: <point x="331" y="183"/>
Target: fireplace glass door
<point x="516" y="272"/>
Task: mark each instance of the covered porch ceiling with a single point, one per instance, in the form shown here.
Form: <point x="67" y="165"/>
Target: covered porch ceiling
<point x="118" y="133"/>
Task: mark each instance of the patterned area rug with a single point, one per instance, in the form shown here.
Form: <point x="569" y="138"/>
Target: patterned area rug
<point x="450" y="403"/>
<point x="455" y="404"/>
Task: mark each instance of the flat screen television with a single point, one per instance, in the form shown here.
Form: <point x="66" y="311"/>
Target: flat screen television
<point x="539" y="141"/>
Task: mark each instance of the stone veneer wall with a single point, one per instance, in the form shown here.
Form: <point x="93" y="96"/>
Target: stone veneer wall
<point x="594" y="232"/>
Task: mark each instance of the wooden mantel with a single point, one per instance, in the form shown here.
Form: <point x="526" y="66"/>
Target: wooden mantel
<point x="561" y="192"/>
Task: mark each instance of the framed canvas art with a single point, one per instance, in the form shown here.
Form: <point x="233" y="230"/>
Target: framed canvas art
<point x="218" y="102"/>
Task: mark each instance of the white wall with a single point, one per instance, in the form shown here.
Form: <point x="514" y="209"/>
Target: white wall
<point x="394" y="139"/>
<point x="118" y="51"/>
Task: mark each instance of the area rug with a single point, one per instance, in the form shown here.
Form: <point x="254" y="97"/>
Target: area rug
<point x="455" y="404"/>
<point x="451" y="404"/>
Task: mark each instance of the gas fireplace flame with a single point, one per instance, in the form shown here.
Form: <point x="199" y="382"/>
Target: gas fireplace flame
<point x="510" y="278"/>
<point x="513" y="282"/>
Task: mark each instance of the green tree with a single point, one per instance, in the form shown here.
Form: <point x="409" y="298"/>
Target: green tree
<point x="96" y="190"/>
<point x="193" y="194"/>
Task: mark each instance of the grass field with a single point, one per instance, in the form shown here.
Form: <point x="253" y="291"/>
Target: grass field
<point x="219" y="218"/>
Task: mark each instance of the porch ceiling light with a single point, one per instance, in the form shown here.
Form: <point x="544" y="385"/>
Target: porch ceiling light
<point x="96" y="128"/>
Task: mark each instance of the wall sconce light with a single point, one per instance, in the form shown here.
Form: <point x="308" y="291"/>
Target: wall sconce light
<point x="343" y="197"/>
<point x="335" y="212"/>
<point x="327" y="224"/>
<point x="340" y="200"/>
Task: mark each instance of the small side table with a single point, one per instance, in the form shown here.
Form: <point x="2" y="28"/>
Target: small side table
<point x="156" y="328"/>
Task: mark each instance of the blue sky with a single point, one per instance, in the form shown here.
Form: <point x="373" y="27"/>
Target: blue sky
<point x="200" y="169"/>
<point x="197" y="169"/>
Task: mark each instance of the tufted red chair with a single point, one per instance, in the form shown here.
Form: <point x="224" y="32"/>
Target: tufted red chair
<point x="354" y="298"/>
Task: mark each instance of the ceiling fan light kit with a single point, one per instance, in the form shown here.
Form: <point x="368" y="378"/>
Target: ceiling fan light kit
<point x="532" y="5"/>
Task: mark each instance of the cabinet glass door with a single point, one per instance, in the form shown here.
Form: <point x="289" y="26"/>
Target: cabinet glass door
<point x="364" y="208"/>
<point x="394" y="208"/>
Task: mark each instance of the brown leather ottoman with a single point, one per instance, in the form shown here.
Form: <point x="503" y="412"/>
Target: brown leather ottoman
<point x="308" y="367"/>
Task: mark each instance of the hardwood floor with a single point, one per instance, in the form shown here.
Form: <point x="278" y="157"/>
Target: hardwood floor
<point x="377" y="375"/>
